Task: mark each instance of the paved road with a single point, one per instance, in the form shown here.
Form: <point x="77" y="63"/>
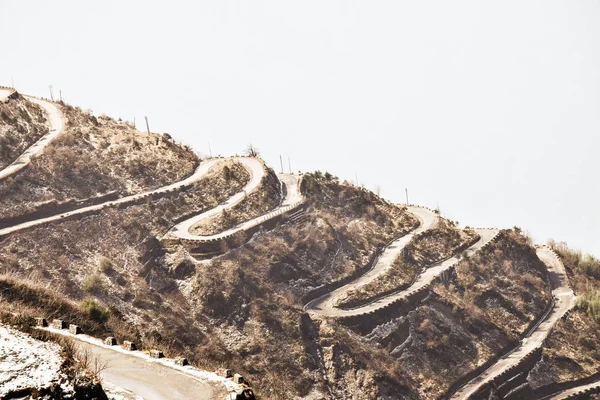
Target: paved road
<point x="256" y="169"/>
<point x="565" y="300"/>
<point x="293" y="197"/>
<point x="568" y="392"/>
<point x="57" y="125"/>
<point x="200" y="172"/>
<point x="148" y="380"/>
<point x="138" y="375"/>
<point x="254" y="166"/>
<point x="325" y="305"/>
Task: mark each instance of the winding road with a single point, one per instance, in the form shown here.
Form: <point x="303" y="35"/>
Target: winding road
<point x="326" y="304"/>
<point x="292" y="199"/>
<point x="564" y="300"/>
<point x="146" y="378"/>
<point x="152" y="380"/>
<point x="57" y="124"/>
<point x="567" y="393"/>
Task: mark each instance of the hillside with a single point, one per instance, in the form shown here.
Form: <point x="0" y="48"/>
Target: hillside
<point x="95" y="159"/>
<point x="307" y="286"/>
<point x="22" y="123"/>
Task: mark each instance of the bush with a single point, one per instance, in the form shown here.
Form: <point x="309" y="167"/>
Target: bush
<point x="94" y="310"/>
<point x="105" y="265"/>
<point x="590" y="303"/>
<point x="92" y="284"/>
<point x="590" y="265"/>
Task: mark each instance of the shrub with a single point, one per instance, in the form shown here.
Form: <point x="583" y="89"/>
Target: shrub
<point x="92" y="284"/>
<point x="590" y="303"/>
<point x="94" y="310"/>
<point x="590" y="265"/>
<point x="105" y="265"/>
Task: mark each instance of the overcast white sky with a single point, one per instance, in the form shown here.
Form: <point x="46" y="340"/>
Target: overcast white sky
<point x="489" y="109"/>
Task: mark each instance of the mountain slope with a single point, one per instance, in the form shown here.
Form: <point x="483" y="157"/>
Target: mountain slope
<point x="427" y="305"/>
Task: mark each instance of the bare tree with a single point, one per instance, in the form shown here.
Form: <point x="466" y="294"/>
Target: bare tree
<point x="89" y="361"/>
<point x="252" y="151"/>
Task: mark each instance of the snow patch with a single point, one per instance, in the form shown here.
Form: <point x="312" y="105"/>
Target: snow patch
<point x="26" y="362"/>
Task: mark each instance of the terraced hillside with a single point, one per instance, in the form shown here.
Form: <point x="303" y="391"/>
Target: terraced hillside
<point x="307" y="286"/>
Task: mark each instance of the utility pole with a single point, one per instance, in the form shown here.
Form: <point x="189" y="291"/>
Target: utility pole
<point x="133" y="122"/>
<point x="51" y="95"/>
<point x="406" y="190"/>
<point x="290" y="164"/>
<point x="281" y="163"/>
<point x="209" y="150"/>
<point x="13" y="82"/>
<point x="147" y="126"/>
<point x="60" y="93"/>
<point x="356" y="176"/>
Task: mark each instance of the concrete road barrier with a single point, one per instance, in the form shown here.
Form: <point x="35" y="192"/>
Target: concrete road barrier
<point x="224" y="372"/>
<point x="181" y="361"/>
<point x="239" y="379"/>
<point x="127" y="345"/>
<point x="74" y="329"/>
<point x="156" y="354"/>
<point x="110" y="341"/>
<point x="59" y="324"/>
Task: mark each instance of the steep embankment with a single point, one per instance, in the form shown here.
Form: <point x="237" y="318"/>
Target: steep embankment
<point x="252" y="294"/>
<point x="22" y="124"/>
